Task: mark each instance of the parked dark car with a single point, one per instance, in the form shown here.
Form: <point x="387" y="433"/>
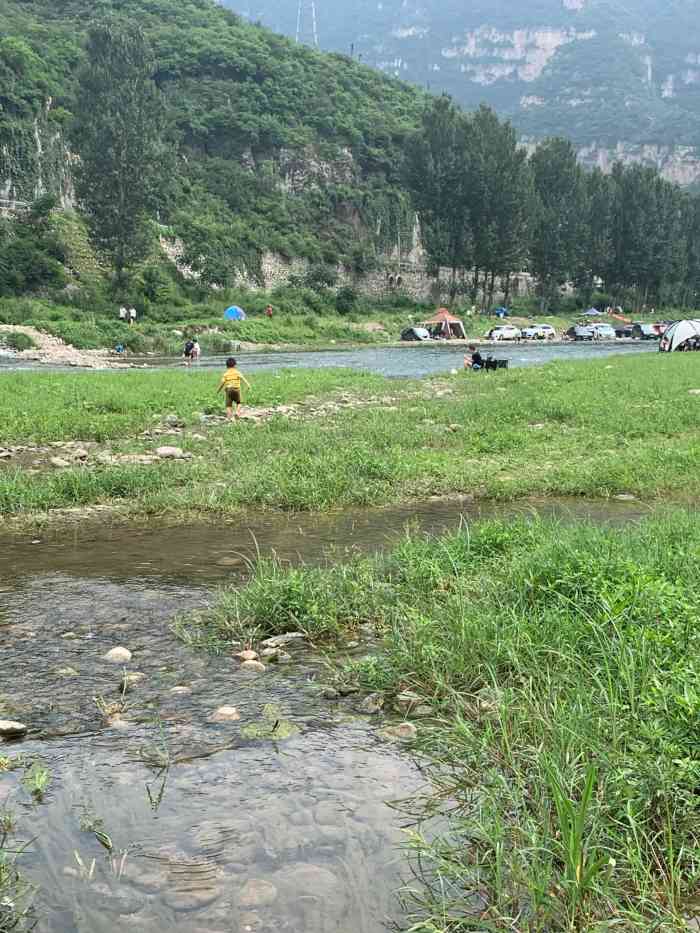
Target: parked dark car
<point x="625" y="330"/>
<point x="415" y="333"/>
<point x="580" y="332"/>
<point x="644" y="332"/>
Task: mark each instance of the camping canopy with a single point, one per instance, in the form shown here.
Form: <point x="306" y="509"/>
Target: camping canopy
<point x="234" y="313"/>
<point x="593" y="312"/>
<point x="678" y="333"/>
<point x="445" y="324"/>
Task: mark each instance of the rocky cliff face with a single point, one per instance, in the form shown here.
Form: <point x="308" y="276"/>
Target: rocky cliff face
<point x="34" y="160"/>
<point x="622" y="79"/>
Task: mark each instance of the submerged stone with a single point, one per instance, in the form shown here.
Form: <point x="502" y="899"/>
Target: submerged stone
<point x="257" y="893"/>
<point x="280" y="641"/>
<point x="372" y="704"/>
<point x="404" y="731"/>
<point x="117" y="655"/>
<point x="255" y="667"/>
<point x="131" y="680"/>
<point x="12" y="730"/>
<point x="225" y="714"/>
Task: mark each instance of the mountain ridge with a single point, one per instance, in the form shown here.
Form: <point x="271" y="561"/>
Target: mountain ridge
<point x="611" y="77"/>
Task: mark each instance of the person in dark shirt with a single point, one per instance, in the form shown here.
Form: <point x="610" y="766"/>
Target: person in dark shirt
<point x="475" y="362"/>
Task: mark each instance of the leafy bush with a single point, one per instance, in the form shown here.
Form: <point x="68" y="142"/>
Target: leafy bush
<point x="17" y="341"/>
<point x="345" y="300"/>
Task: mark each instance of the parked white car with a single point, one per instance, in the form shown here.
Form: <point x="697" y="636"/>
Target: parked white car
<point x="539" y="332"/>
<point x="504" y="332"/>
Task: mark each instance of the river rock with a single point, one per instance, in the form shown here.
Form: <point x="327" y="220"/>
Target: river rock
<point x="407" y="700"/>
<point x="254" y="666"/>
<point x="257" y="893"/>
<point x="131" y="680"/>
<point x="625" y="497"/>
<point x="59" y="463"/>
<point x="66" y="672"/>
<point x="693" y="391"/>
<point x="374" y="703"/>
<point x="280" y="641"/>
<point x="180" y="691"/>
<point x="80" y="454"/>
<point x="247" y="655"/>
<point x="424" y="711"/>
<point x="12" y="730"/>
<point x="170" y="453"/>
<point x="404" y="731"/>
<point x="276" y="656"/>
<point x="352" y="644"/>
<point x="225" y="714"/>
<point x="117" y="656"/>
<point x="329" y="693"/>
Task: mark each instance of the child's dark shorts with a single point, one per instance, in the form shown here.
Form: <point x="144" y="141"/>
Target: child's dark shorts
<point x="233" y="397"/>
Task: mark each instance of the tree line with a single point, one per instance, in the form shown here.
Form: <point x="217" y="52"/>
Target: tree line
<point x="488" y="209"/>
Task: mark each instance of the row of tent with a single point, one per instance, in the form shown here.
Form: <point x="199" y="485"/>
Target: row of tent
<point x="681" y="335"/>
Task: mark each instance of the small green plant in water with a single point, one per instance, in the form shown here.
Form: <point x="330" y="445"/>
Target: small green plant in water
<point x="272" y="726"/>
<point x="36" y="781"/>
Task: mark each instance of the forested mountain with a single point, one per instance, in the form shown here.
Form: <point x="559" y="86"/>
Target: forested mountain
<point x="240" y="146"/>
<point x="279" y="147"/>
<point x="604" y="73"/>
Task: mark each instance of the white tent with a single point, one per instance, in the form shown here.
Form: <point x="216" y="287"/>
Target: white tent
<point x="678" y="333"/>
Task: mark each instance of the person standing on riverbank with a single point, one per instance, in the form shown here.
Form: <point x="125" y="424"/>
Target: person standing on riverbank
<point x="231" y="385"/>
<point x="196" y="351"/>
<point x="188" y="352"/>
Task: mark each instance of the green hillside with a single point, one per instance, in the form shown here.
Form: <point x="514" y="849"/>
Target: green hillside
<point x="280" y="147"/>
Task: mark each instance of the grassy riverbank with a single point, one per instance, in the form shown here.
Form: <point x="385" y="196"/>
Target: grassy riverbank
<point x="561" y="665"/>
<point x="595" y="428"/>
<point x="581" y="429"/>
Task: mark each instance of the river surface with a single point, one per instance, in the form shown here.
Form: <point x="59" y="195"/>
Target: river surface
<point x="212" y="830"/>
<point x="406" y="361"/>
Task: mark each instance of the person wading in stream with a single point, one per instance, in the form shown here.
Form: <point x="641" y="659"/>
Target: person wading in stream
<point x="231" y="385"/>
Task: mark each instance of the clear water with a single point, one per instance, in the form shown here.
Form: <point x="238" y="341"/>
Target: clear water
<point x="238" y="834"/>
<point x="407" y="361"/>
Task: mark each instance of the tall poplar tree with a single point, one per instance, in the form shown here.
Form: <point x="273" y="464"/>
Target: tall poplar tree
<point x="119" y="138"/>
<point x="437" y="172"/>
<point x="560" y="231"/>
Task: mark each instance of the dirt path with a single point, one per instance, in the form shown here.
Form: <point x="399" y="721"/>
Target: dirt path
<point x="53" y="350"/>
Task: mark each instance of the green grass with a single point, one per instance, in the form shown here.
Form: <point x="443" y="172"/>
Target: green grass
<point x="595" y="428"/>
<point x="562" y="665"/>
<point x="15" y="893"/>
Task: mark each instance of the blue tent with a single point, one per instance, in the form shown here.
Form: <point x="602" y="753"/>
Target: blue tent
<point x="593" y="312"/>
<point x="234" y="313"/>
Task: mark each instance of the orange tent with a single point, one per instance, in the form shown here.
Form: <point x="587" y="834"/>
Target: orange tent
<point x="444" y="324"/>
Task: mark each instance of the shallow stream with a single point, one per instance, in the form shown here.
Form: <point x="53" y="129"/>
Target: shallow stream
<point x="407" y="361"/>
<point x="236" y="833"/>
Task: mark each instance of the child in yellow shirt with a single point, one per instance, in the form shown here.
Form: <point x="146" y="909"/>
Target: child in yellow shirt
<point x="231" y="384"/>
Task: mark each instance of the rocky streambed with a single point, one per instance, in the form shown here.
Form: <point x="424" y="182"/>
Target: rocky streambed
<point x="208" y="793"/>
<point x="160" y="787"/>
